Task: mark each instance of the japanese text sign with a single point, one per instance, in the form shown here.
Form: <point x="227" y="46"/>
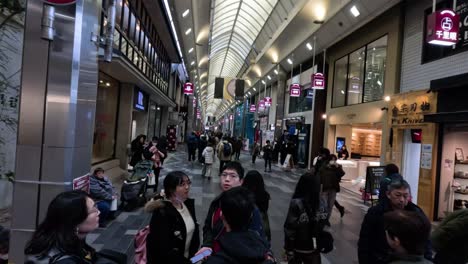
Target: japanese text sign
<point x="442" y="28"/>
<point x="267" y="101"/>
<point x="81" y="183"/>
<point x="318" y="81"/>
<point x="295" y="90"/>
<point x="188" y="88"/>
<point x="253" y="108"/>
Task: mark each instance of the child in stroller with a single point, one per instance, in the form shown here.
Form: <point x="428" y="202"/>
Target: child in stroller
<point x="134" y="187"/>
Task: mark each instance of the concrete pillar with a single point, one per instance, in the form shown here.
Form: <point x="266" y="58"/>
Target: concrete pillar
<point x="56" y="115"/>
<point x="280" y="103"/>
<point x="124" y="123"/>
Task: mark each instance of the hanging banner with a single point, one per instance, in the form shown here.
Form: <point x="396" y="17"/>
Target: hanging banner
<point x="198" y="114"/>
<point x="261" y="105"/>
<point x="253" y="108"/>
<point x="188" y="88"/>
<point x="194" y="102"/>
<point x="318" y="81"/>
<point x="442" y="28"/>
<point x="267" y="101"/>
<point x="295" y="90"/>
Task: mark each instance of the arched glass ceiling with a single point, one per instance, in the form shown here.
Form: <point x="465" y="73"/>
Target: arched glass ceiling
<point x="235" y="26"/>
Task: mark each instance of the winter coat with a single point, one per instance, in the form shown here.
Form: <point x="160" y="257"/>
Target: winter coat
<point x="100" y="189"/>
<point x="450" y="238"/>
<point x="237" y="145"/>
<point x="372" y="245"/>
<point x="330" y="177"/>
<point x="256" y="150"/>
<point x="408" y="259"/>
<point x="166" y="240"/>
<point x="299" y="229"/>
<point x="137" y="152"/>
<point x="242" y="247"/>
<point x="63" y="258"/>
<point x="192" y="142"/>
<point x="208" y="154"/>
<point x="267" y="152"/>
<point x="202" y="144"/>
<point x="220" y="150"/>
<point x="212" y="231"/>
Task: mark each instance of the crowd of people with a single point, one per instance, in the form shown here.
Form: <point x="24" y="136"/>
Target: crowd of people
<point x="236" y="228"/>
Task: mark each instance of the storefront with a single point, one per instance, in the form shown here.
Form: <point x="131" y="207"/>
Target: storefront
<point x="451" y="185"/>
<point x="412" y="144"/>
<point x="364" y="70"/>
<point x="105" y="122"/>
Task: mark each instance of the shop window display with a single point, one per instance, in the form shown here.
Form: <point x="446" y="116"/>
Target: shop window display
<point x="359" y="76"/>
<point x="106" y="119"/>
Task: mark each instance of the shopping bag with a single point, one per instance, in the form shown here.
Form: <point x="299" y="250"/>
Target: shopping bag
<point x="286" y="161"/>
<point x="113" y="205"/>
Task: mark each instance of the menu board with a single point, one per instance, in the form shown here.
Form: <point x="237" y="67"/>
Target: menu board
<point x="374" y="175"/>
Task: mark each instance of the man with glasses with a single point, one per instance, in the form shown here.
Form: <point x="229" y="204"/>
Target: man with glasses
<point x="231" y="176"/>
<point x="373" y="247"/>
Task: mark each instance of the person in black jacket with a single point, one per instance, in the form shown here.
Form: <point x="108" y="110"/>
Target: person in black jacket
<point x="268" y="155"/>
<point x="254" y="182"/>
<point x="201" y="146"/>
<point x="137" y="148"/>
<point x="162" y="146"/>
<point x="174" y="234"/>
<point x="373" y="247"/>
<point x="330" y="177"/>
<point x="232" y="176"/>
<point x="304" y="222"/>
<point x="240" y="245"/>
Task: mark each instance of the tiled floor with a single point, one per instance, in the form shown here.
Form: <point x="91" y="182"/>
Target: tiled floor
<point x="119" y="234"/>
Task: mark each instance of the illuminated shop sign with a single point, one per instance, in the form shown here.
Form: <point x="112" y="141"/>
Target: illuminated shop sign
<point x="253" y="108"/>
<point x="140" y="100"/>
<point x="267" y="101"/>
<point x="188" y="88"/>
<point x="295" y="90"/>
<point x="318" y="81"/>
<point x="442" y="28"/>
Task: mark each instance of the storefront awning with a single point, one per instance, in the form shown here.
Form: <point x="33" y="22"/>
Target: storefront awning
<point x="447" y="117"/>
<point x="451" y="82"/>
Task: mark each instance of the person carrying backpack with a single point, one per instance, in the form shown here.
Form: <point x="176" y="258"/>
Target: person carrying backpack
<point x="225" y="152"/>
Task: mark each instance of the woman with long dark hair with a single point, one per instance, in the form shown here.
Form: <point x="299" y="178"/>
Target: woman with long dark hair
<point x="174" y="235"/>
<point x="137" y="148"/>
<point x="60" y="238"/>
<point x="253" y="181"/>
<point x="303" y="226"/>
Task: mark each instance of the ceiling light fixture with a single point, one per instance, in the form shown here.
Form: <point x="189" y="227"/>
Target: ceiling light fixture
<point x="185" y="13"/>
<point x="255" y="89"/>
<point x="193" y="62"/>
<point x="268" y="76"/>
<point x="276" y="72"/>
<point x="188" y="31"/>
<point x="263" y="82"/>
<point x="289" y="61"/>
<point x="354" y="11"/>
<point x="190" y="50"/>
<point x="309" y="46"/>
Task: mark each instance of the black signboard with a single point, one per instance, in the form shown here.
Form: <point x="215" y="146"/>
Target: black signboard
<point x="140" y="100"/>
<point x="374" y="175"/>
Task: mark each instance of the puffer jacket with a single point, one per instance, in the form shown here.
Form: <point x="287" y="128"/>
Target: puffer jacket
<point x="100" y="189"/>
<point x="449" y="239"/>
<point x="166" y="240"/>
<point x="208" y="154"/>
